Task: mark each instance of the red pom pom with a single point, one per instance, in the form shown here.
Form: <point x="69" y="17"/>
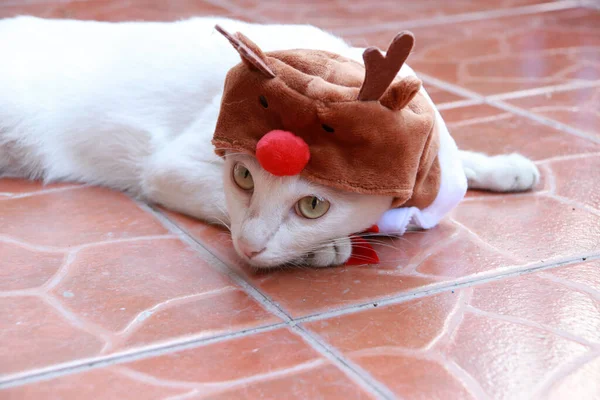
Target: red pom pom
<point x="282" y="153"/>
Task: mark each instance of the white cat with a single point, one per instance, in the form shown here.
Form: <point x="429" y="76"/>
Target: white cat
<point x="133" y="106"/>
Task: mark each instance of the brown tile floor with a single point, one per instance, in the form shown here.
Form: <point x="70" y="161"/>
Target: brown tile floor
<point x="101" y="297"/>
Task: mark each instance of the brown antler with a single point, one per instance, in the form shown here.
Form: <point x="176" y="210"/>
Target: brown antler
<point x="252" y="57"/>
<point x="381" y="70"/>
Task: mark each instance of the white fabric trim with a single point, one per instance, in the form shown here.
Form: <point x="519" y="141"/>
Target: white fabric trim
<point x="453" y="186"/>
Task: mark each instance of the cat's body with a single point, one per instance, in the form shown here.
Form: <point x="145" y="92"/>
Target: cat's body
<point x="133" y="106"/>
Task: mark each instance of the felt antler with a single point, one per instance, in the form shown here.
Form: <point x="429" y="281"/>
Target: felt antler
<point x="249" y="52"/>
<point x="381" y="70"/>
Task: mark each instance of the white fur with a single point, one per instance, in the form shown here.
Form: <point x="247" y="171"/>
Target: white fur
<point x="133" y="106"/>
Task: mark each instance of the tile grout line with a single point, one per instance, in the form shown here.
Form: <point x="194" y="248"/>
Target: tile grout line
<point x="442" y="287"/>
<point x="82" y="365"/>
<point x="445" y="287"/>
<point x="349" y="367"/>
<point x="458" y="104"/>
<point x="464" y="17"/>
<point x="41" y="192"/>
<point x="357" y="374"/>
<point x="542" y="388"/>
<point x="507" y="107"/>
<point x="567" y="157"/>
<point x="234" y="9"/>
<point x="565" y="87"/>
<point x="325" y="349"/>
<point x="590" y="4"/>
<point x="543" y="120"/>
<point x="166" y="348"/>
<point x="574" y="203"/>
<point x="216" y="262"/>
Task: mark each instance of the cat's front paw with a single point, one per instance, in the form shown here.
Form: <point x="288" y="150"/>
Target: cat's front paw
<point x="505" y="173"/>
<point x="330" y="254"/>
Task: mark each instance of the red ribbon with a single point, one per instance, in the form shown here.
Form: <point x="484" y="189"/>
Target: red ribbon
<point x="362" y="252"/>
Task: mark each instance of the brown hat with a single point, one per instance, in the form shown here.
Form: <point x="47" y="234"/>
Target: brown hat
<point x="332" y="120"/>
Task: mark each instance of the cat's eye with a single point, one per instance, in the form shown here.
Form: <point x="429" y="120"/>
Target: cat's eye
<point x="312" y="207"/>
<point x="263" y="101"/>
<point x="242" y="177"/>
<point x="327" y="128"/>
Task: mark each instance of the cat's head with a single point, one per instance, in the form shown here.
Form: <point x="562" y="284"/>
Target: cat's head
<point x="278" y="220"/>
<point x="332" y="120"/>
<point x="321" y="146"/>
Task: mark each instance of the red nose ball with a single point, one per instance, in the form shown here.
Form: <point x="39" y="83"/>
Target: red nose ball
<point x="282" y="153"/>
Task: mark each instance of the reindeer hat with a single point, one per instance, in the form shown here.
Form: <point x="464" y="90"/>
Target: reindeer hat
<point x="332" y="120"/>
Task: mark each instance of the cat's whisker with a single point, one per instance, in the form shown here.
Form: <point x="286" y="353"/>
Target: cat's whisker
<point x="382" y="242"/>
<point x="225" y="224"/>
<point x="342" y="240"/>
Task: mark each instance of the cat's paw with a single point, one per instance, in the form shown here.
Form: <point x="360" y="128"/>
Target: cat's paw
<point x="504" y="173"/>
<point x="331" y="254"/>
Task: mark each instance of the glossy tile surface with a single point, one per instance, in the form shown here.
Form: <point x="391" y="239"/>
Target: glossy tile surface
<point x="263" y="365"/>
<point x="103" y="297"/>
<point x="506" y="54"/>
<point x="359" y="14"/>
<point x="526" y="337"/>
<point x="575" y="107"/>
<point x="97" y="274"/>
<point x="116" y="10"/>
<point x="491" y="130"/>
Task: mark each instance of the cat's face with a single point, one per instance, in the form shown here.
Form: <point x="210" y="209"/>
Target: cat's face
<point x="278" y="220"/>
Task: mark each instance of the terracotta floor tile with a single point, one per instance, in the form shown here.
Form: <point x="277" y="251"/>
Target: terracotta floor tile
<point x="333" y="14"/>
<point x="107" y="383"/>
<point x="413" y="262"/>
<point x="586" y="275"/>
<point x="75" y="217"/>
<point x="465" y="256"/>
<point x="532" y="356"/>
<point x="526" y="335"/>
<point x="117" y="10"/>
<point x="138" y="286"/>
<point x="11" y="187"/>
<point x="507" y="54"/>
<point x="255" y="354"/>
<point x="493" y="131"/>
<point x="473" y="113"/>
<point x="35" y="335"/>
<point x="134" y="284"/>
<point x="252" y="367"/>
<point x="441" y="96"/>
<point x="414" y="325"/>
<point x="325" y="382"/>
<point x="263" y="365"/>
<point x="411" y="377"/>
<point x="232" y="310"/>
<point x="577" y="108"/>
<point x="112" y="284"/>
<point x="532" y="228"/>
<point x="578" y="179"/>
<point x="580" y="383"/>
<point x="22" y="268"/>
<point x="566" y="309"/>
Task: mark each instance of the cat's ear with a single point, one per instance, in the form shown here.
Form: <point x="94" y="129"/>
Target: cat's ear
<point x="251" y="54"/>
<point x="400" y="93"/>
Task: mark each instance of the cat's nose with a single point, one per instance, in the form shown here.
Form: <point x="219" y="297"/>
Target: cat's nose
<point x="248" y="250"/>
